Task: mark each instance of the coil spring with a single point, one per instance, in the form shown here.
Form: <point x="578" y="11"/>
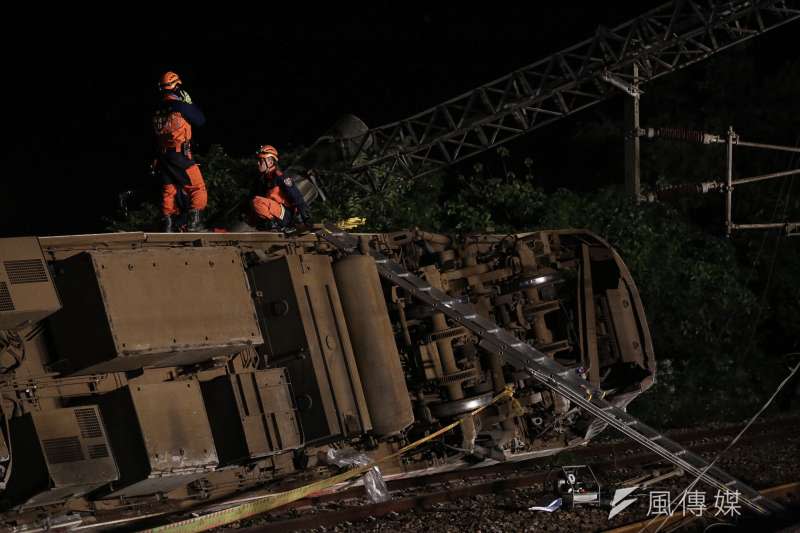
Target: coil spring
<point x="458" y="377"/>
<point x="446" y="334"/>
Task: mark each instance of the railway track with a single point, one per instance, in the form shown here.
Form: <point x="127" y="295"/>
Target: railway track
<point x="491" y="479"/>
<point x="620" y="448"/>
<point x="787" y="493"/>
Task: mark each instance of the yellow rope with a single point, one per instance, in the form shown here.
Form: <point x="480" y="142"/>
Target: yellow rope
<point x="273" y="501"/>
<point x="351" y="223"/>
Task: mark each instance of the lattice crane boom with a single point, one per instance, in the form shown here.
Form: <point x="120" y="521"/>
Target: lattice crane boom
<point x="665" y="39"/>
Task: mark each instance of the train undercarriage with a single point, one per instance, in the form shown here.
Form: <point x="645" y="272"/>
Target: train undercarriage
<point x="152" y="373"/>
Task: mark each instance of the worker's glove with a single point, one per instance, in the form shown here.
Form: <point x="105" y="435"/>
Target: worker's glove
<point x="185" y="97"/>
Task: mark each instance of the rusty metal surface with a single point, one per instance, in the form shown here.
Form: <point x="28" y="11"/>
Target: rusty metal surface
<point x="251" y="414"/>
<point x="277" y="407"/>
<point x="61" y="453"/>
<point x="374" y="345"/>
<point x="153" y="308"/>
<point x="306" y="332"/>
<point x="27" y="294"/>
<point x="160" y="435"/>
<point x="561" y="378"/>
<point x="642" y="334"/>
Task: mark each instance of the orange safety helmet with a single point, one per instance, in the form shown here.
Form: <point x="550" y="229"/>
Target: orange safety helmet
<point x="267" y="151"/>
<point x="169" y="81"/>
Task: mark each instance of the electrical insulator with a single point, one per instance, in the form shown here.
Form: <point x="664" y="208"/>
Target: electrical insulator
<point x="681" y="134"/>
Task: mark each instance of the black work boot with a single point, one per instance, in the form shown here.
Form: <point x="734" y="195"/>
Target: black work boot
<point x="279" y="225"/>
<point x="166" y="224"/>
<point x="194" y="223"/>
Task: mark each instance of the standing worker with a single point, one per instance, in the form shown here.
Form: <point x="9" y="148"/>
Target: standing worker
<point x="277" y="199"/>
<point x="183" y="188"/>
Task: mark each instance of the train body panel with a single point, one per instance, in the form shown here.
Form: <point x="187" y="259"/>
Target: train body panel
<point x="218" y="363"/>
<point x="305" y="330"/>
<point x="27" y="294"/>
<point x="127" y="309"/>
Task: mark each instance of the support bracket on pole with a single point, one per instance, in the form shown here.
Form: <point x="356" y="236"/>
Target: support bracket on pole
<point x="631" y="88"/>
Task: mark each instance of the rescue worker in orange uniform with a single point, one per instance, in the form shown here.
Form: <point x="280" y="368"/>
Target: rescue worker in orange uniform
<point x="183" y="188"/>
<point x="276" y="199"/>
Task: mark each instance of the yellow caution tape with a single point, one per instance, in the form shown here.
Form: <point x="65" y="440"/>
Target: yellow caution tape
<point x="273" y="501"/>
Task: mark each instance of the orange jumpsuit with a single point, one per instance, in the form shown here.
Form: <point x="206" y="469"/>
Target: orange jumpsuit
<point x="174" y="164"/>
<point x="277" y="198"/>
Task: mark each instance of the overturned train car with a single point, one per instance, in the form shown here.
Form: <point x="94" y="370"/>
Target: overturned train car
<point x="148" y="373"/>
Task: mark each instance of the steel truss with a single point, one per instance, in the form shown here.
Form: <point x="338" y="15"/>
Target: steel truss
<point x="665" y="39"/>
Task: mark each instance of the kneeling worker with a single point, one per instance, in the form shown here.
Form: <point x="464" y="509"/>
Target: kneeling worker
<point x="277" y="199"/>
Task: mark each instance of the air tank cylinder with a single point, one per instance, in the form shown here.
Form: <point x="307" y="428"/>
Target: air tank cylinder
<point x="374" y="345"/>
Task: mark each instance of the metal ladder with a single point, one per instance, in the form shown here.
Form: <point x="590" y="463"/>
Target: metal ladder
<point x="560" y="379"/>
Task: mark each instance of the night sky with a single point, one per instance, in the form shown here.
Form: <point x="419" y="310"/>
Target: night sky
<point x="78" y="122"/>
